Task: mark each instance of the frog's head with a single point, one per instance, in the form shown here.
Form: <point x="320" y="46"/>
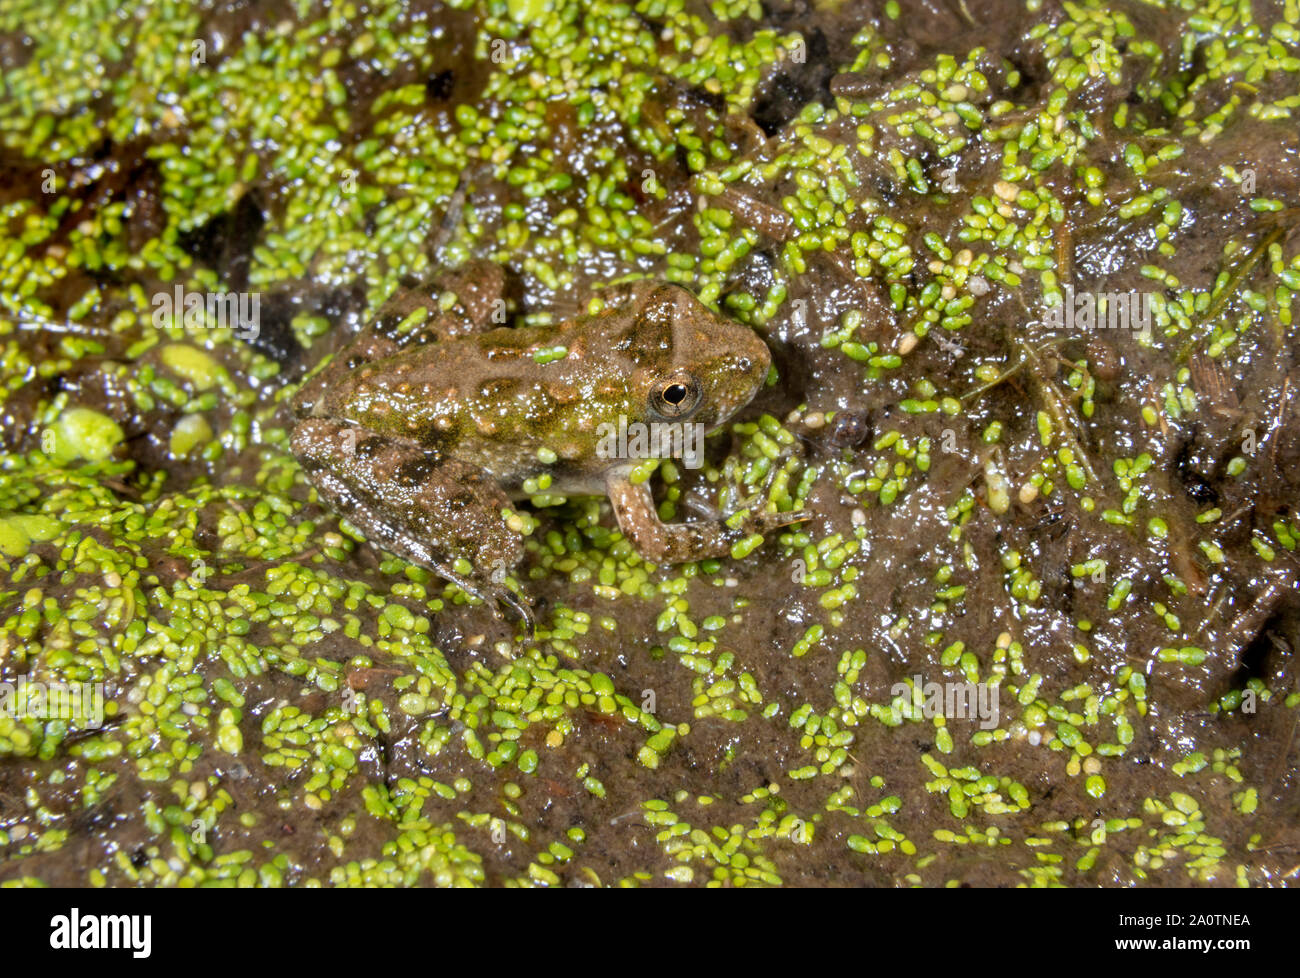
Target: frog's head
<point x="691" y="365"/>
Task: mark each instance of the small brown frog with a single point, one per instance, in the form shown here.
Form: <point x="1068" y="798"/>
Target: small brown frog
<point x="425" y="428"/>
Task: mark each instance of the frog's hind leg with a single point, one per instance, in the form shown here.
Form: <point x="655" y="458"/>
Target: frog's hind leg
<point x="430" y="511"/>
<point x="470" y="299"/>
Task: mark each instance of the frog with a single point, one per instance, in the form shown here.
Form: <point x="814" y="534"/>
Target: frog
<point x="428" y="428"/>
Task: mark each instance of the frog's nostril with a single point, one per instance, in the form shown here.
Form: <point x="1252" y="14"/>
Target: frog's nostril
<point x="744" y="363"/>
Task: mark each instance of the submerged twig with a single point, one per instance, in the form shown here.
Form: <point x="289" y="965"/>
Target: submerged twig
<point x="1062" y="414"/>
<point x="1230" y="288"/>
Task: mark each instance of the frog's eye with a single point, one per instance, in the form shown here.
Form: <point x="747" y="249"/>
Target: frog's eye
<point x="675" y="397"/>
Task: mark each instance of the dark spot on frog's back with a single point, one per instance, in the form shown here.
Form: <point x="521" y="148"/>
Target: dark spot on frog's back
<point x="498" y="388"/>
<point x="369" y="447"/>
<point x="414" y="472"/>
<point x="386" y="324"/>
<point x="541" y="417"/>
<point x="460" y="501"/>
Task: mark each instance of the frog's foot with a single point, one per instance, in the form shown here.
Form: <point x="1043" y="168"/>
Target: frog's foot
<point x="442" y="514"/>
<point x="761" y="521"/>
<point x="764" y="523"/>
<point x="518" y="602"/>
<point x="494" y="596"/>
<point x="675" y="543"/>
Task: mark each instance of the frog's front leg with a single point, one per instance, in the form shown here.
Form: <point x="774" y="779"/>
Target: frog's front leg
<point x="479" y="305"/>
<point x="443" y="514"/>
<point x="675" y="543"/>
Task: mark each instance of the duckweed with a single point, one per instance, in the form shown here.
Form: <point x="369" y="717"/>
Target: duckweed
<point x="261" y="665"/>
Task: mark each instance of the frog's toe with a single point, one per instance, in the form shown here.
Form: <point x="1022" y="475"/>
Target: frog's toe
<point x="521" y="605"/>
<point x="763" y="523"/>
<point x="495" y="596"/>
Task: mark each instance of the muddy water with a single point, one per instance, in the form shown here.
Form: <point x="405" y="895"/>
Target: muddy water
<point x="1243" y="611"/>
